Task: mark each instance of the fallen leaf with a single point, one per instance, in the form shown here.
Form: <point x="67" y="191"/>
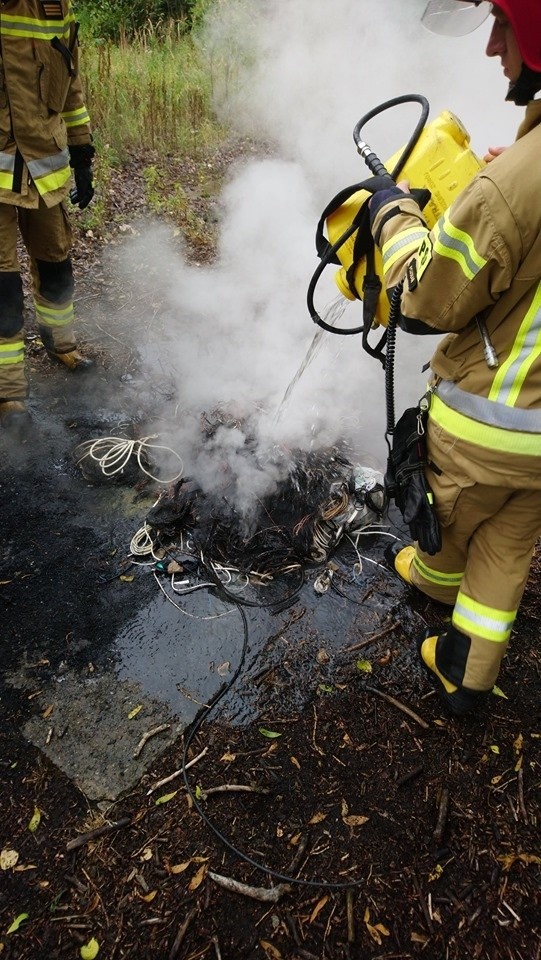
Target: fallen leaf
<point x="197" y="880"/>
<point x="364" y="665"/>
<point x="179" y="867"/>
<point x="223" y="669"/>
<point x="272" y="952"/>
<point x="318" y="817"/>
<point x="419" y="938"/>
<point x="508" y="859"/>
<point x="148" y="897"/>
<point x="47" y="712"/>
<point x="166" y="797"/>
<point x="228" y="757"/>
<point x="376" y="930"/>
<point x="90" y="950"/>
<point x="494" y="748"/>
<point x="271" y="734"/>
<point x="126" y="578"/>
<point x="518" y="743"/>
<point x="8" y="859"/>
<point x="354" y="821"/>
<point x="295" y="762"/>
<point x="34" y="820"/>
<point x="318" y="908"/>
<point x="133" y="713"/>
<point x="499" y="693"/>
<point x="147" y="853"/>
<point x="17" y="922"/>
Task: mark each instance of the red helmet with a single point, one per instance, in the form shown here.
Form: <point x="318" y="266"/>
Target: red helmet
<point x="457" y="17"/>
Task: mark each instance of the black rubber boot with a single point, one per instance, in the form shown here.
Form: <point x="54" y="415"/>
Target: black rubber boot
<point x="460" y="701"/>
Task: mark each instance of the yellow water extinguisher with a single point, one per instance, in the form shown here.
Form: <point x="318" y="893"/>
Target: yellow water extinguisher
<point x="437" y="161"/>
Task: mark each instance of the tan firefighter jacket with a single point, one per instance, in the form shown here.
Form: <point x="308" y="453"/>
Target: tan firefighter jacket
<point x="482" y="258"/>
<point x="41" y="101"/>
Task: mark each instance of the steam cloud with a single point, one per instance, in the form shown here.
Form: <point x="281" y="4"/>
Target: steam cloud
<point x="304" y="72"/>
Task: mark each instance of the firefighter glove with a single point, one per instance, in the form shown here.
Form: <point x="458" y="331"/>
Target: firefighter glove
<point x="406" y="483"/>
<point x="420" y="514"/>
<point x="81" y="156"/>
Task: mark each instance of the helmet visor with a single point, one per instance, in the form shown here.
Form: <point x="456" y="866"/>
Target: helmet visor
<point x="455" y="18"/>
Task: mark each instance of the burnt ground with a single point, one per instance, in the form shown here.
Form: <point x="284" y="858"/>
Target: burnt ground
<point x="381" y="827"/>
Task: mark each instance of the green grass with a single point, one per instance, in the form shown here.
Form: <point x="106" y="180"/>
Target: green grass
<point x="150" y="93"/>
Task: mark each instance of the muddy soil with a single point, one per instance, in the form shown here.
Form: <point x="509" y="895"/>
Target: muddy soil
<point x="369" y="823"/>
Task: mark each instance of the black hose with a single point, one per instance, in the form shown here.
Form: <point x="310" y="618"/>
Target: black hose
<point x="378" y="169"/>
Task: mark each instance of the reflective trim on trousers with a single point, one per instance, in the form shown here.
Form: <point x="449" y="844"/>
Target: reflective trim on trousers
<point x="54" y="317"/>
<point x="11" y="353"/>
<point x="488" y="623"/>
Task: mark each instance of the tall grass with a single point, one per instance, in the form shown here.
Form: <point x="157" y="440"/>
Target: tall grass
<point x="154" y="91"/>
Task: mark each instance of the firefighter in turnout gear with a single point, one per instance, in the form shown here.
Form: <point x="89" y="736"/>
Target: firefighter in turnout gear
<point x="45" y="139"/>
<point x="477" y="277"/>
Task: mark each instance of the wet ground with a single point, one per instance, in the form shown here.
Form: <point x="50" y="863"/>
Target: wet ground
<point x="426" y="829"/>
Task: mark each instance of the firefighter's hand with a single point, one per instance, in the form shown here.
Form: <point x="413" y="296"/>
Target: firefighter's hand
<point x="492" y="153"/>
<point x="420" y="514"/>
<point x="81" y="162"/>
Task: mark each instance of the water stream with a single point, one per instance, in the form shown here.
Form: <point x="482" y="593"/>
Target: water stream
<point x="331" y="317"/>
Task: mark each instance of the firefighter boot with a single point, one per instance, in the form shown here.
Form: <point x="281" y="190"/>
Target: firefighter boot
<point x="400" y="558"/>
<point x="449" y="648"/>
<point x="73" y="360"/>
<point x="14" y="415"/>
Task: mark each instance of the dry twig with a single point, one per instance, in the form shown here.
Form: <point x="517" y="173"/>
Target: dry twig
<point x="173" y="953"/>
<point x="177" y="773"/>
<point x="400" y="706"/>
<point x="372" y="639"/>
<point x="146" y="737"/>
<point x="97" y="832"/>
<point x="264" y="894"/>
<point x="442" y="816"/>
<point x="232" y="788"/>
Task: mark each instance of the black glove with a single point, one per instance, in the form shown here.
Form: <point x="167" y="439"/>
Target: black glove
<point x="420" y="515"/>
<point x="406" y="483"/>
<point x="81" y="156"/>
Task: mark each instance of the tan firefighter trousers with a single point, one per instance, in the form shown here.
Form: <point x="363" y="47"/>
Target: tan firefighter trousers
<point x="488" y="537"/>
<point x="47" y="236"/>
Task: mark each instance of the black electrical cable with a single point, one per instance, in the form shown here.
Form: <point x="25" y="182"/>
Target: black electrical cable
<point x="378" y="169"/>
<point x="275" y="874"/>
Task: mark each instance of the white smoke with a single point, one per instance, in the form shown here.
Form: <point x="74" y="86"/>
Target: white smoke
<point x="300" y="74"/>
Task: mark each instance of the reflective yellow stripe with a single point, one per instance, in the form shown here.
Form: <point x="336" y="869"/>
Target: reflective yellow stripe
<point x="401" y="245"/>
<point x="53" y="181"/>
<point x="457" y="245"/>
<point x="482" y="434"/>
<point x="470" y="616"/>
<point x="526" y="349"/>
<point x="30" y="27"/>
<point x="52" y="317"/>
<point x="11" y="353"/>
<point x="437" y="576"/>
<point x="74" y="118"/>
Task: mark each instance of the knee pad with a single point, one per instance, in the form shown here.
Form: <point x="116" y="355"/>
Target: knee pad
<point x="55" y="280"/>
<point x="452" y="651"/>
<point x="11" y="303"/>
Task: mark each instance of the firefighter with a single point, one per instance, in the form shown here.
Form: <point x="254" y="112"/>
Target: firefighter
<point x="45" y="139"/>
<point x="477" y="276"/>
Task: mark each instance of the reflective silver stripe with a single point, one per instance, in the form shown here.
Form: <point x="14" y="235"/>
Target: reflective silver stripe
<point x="7" y="162"/>
<point x="489" y="411"/>
<point x="12" y="353"/>
<point x="456" y="244"/>
<point x="40" y="168"/>
<point x="406" y="239"/>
